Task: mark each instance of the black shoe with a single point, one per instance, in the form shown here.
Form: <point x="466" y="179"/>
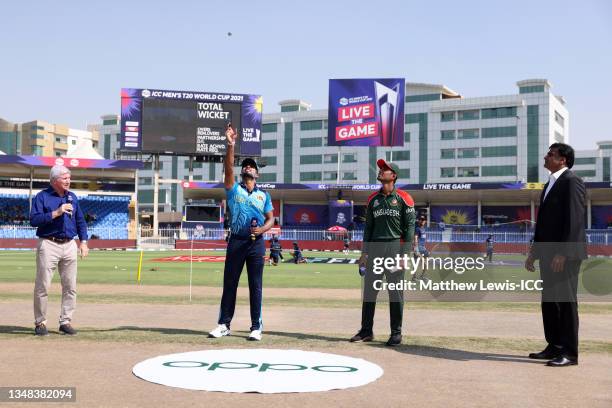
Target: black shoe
<point x="41" y="330"/>
<point x="394" y="340"/>
<point x="549" y="353"/>
<point x="562" y="361"/>
<point x="67" y="329"/>
<point x="363" y="335"/>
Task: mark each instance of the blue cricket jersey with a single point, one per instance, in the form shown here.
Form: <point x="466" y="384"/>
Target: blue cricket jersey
<point x="244" y="207"/>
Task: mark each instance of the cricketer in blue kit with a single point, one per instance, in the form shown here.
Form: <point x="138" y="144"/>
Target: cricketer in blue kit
<point x="251" y="216"/>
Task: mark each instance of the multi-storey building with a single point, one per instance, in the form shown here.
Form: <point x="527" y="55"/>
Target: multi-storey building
<point x="448" y="139"/>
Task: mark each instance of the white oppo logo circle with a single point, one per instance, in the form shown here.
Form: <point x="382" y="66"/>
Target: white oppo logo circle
<point x="258" y="370"/>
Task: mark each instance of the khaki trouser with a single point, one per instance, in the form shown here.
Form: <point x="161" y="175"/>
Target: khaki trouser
<point x="50" y="255"/>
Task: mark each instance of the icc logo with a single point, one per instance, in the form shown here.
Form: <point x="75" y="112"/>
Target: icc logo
<point x="59" y="162"/>
<point x="146" y="93"/>
<point x="74" y="162"/>
<point x="343" y="101"/>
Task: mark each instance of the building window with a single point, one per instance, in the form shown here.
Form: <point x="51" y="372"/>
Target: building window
<point x="58" y="154"/>
<point x="398" y="156"/>
<point x="447" y="153"/>
<point x="58" y="140"/>
<point x="311" y="125"/>
<point x="467" y="171"/>
<point x="404" y="174"/>
<point x="145" y="180"/>
<point x="496" y="171"/>
<point x="349" y="175"/>
<point x="447" y="135"/>
<point x="197" y="177"/>
<point x="585" y="160"/>
<point x="498" y="151"/>
<point x="311" y="159"/>
<point x="310" y="176"/>
<point x="109" y="122"/>
<point x="37" y="150"/>
<point x="195" y="164"/>
<point x="268" y="144"/>
<point x="349" y="158"/>
<point x="447" y="116"/>
<point x="423" y="98"/>
<point x="531" y="89"/>
<point x="270" y="160"/>
<point x="330" y="176"/>
<point x="269" y="127"/>
<point x="505" y="131"/>
<point x="118" y="137"/>
<point x="311" y="142"/>
<point x="585" y="173"/>
<point x="468" y="153"/>
<point x="73" y="142"/>
<point x="267" y="178"/>
<point x="497" y="113"/>
<point x="406" y="137"/>
<point x="468" y="134"/>
<point x="290" y="108"/>
<point x="558" y="137"/>
<point x="559" y="119"/>
<point x="468" y="114"/>
<point x="330" y="158"/>
<point x="447" y="172"/>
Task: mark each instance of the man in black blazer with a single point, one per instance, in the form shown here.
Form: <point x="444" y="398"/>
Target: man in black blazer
<point x="559" y="244"/>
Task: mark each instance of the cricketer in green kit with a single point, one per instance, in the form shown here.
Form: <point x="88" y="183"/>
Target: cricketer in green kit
<point x="389" y="232"/>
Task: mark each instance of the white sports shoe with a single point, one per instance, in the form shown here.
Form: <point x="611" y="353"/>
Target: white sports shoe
<point x="255" y="335"/>
<point x="220" y="331"/>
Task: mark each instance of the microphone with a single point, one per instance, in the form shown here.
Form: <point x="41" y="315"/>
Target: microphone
<point x="253" y="224"/>
<point x="69" y="200"/>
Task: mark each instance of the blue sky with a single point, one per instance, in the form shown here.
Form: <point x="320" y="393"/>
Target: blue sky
<point x="65" y="62"/>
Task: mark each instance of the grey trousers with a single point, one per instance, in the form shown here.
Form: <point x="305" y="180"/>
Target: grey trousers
<point x="50" y="255"/>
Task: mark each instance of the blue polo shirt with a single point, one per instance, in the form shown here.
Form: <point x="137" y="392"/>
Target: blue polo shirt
<point x="421" y="236"/>
<point x="245" y="206"/>
<point x="64" y="226"/>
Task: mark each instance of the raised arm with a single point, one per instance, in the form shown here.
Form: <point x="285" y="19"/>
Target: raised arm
<point x="232" y="137"/>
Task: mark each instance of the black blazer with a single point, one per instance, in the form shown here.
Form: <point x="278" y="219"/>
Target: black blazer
<point x="560" y="226"/>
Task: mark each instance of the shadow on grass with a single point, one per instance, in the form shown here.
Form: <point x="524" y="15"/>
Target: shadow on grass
<point x="440" y="352"/>
<point x="447" y="353"/>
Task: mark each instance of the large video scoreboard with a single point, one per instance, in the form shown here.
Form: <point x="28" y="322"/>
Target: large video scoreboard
<point x="189" y="123"/>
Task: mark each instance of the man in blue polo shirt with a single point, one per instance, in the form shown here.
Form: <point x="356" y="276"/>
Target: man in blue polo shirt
<point x="58" y="217"/>
<point x="251" y="216"/>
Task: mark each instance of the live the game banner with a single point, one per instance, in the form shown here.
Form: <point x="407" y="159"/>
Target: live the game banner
<point x="366" y="112"/>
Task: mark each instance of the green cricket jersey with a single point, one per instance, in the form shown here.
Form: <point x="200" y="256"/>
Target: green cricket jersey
<point x="390" y="218"/>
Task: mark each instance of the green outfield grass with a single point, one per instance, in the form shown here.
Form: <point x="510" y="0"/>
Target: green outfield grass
<point x="119" y="267"/>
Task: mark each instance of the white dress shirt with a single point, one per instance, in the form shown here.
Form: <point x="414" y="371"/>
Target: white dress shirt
<point x="552" y="179"/>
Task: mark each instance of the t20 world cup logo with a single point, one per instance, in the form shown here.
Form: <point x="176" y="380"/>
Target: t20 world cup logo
<point x="386" y="107"/>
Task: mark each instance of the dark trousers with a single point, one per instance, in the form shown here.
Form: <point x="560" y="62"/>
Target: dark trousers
<point x="370" y="294"/>
<point x="560" y="305"/>
<point x="239" y="252"/>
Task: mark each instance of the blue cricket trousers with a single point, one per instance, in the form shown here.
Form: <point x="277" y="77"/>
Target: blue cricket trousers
<point x="240" y="251"/>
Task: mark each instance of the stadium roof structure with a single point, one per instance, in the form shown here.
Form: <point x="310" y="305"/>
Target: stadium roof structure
<point x="37" y="167"/>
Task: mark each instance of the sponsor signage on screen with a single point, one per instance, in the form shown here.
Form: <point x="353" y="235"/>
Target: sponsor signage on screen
<point x="189" y="123"/>
<point x="366" y="112"/>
